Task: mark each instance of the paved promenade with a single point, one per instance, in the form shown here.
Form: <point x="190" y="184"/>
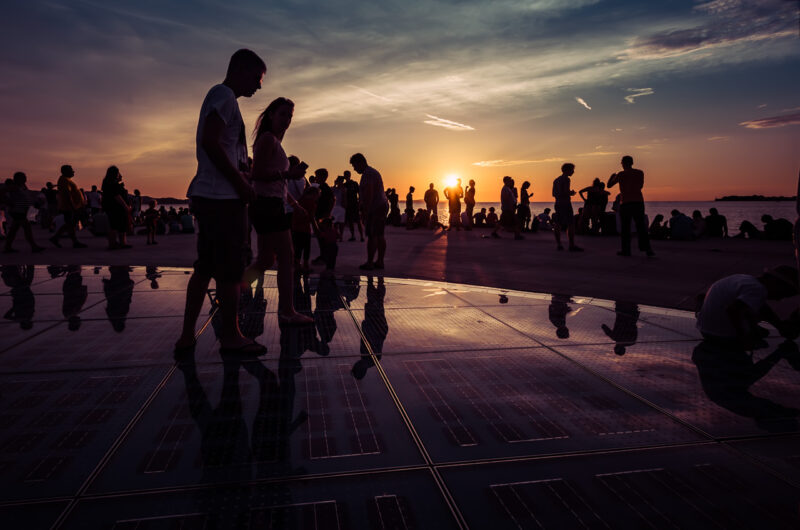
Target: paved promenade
<point x="680" y="270"/>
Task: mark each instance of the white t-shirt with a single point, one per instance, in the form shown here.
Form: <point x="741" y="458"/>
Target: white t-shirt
<point x="93" y="198"/>
<point x="210" y="182"/>
<point x="713" y="316"/>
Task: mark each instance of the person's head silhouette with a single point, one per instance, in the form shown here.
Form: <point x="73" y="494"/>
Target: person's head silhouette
<point x="627" y="162"/>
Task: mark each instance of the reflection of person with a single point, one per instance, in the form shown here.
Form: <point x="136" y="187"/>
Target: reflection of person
<point x="727" y="372"/>
<point x="557" y="312"/>
<point x="19" y="279"/>
<point x="733" y="307"/>
<point x="152" y="274"/>
<point x="625" y="330"/>
<point x="328" y="302"/>
<point x="374" y="327"/>
<point x="75" y="295"/>
<point x="219" y="193"/>
<point x="119" y="293"/>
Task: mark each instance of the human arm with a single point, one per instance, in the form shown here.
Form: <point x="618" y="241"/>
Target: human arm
<point x="584" y="190"/>
<point x="210" y="142"/>
<point x="612" y="180"/>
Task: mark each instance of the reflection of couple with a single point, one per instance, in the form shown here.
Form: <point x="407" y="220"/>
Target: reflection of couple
<point x="624" y="332"/>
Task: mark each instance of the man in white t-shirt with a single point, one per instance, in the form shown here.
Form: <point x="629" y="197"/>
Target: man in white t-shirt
<point x="734" y="306"/>
<point x="219" y="194"/>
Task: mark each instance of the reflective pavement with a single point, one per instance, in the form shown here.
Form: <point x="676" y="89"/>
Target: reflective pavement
<point x="408" y="404"/>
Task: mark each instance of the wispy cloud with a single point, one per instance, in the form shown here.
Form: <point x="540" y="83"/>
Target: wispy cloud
<point x="717" y="138"/>
<point x="374" y="95"/>
<point x="724" y="23"/>
<point x="583" y="102"/>
<point x="447" y="124"/>
<point x="505" y="163"/>
<point x="638" y="92"/>
<point x="773" y="121"/>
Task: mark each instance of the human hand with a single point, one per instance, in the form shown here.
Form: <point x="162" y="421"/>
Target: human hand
<point x="246" y="192"/>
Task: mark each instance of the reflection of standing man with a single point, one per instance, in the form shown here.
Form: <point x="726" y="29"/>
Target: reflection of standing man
<point x="625" y="331"/>
<point x="374" y="327"/>
<point x="219" y="194"/>
<point x="631" y="182"/>
<point x="374" y="206"/>
<point x="75" y="295"/>
<point x="557" y="312"/>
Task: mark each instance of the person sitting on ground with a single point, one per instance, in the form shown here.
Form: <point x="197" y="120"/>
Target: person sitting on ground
<point x="434" y="222"/>
<point x="680" y="227"/>
<point x="151" y="217"/>
<point x="733" y="307"/>
<point x="491" y="218"/>
<point x="698" y="224"/>
<point x="479" y="219"/>
<point x="658" y="230"/>
<point x="545" y="223"/>
<point x="748" y="230"/>
<point x="716" y="224"/>
<point x="422" y="219"/>
<point x="187" y="222"/>
<point x="776" y="229"/>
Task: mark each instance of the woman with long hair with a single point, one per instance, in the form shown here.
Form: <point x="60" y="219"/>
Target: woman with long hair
<point x="115" y="205"/>
<point x="269" y="175"/>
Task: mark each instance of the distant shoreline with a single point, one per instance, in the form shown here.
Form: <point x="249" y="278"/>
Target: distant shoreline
<point x="731" y="198"/>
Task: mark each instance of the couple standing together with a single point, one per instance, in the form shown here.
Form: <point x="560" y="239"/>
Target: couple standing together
<point x="223" y="186"/>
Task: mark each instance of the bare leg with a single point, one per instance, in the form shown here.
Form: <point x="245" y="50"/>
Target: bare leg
<point x="372" y="246"/>
<point x="230" y="334"/>
<point x="195" y="294"/>
<point x="557" y="234"/>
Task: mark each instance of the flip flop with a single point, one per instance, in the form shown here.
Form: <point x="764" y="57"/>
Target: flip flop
<point x="251" y="349"/>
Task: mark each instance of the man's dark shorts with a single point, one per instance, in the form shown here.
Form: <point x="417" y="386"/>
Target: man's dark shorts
<point x="563" y="216"/>
<point x="375" y="222"/>
<point x="221" y="236"/>
<point x="268" y="215"/>
<point x="351" y="214"/>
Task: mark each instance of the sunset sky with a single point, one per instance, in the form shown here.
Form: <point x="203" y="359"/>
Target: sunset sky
<point x="703" y="95"/>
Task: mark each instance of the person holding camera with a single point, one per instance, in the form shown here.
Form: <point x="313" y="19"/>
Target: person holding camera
<point x="270" y="172"/>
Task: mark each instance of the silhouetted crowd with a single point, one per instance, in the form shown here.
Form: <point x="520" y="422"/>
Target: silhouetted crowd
<point x="109" y="211"/>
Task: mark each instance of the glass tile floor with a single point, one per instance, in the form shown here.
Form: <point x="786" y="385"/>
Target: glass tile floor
<point x="408" y="404"/>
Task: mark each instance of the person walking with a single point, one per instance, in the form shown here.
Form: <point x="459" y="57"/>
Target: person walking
<point x="374" y="206"/>
<point x="219" y="193"/>
<point x="19" y="201"/>
<point x="70" y="202"/>
<point x="631" y="182"/>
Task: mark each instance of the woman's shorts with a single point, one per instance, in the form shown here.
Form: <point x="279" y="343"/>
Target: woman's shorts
<point x="268" y="216"/>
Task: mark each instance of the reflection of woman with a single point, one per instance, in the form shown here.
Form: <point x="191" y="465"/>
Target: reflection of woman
<point x="116" y="208"/>
<point x="270" y="171"/>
